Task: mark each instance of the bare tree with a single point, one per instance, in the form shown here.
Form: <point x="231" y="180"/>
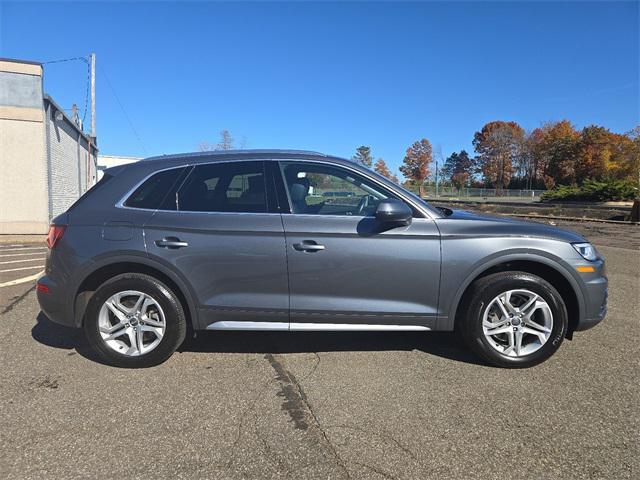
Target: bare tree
<point x="206" y="147"/>
<point x="226" y="141"/>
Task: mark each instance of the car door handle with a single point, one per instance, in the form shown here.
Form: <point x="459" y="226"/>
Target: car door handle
<point x="308" y="246"/>
<point x="171" y="242"/>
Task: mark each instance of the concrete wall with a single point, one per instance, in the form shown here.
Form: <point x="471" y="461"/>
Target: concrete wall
<point x="45" y="164"/>
<point x="23" y="166"/>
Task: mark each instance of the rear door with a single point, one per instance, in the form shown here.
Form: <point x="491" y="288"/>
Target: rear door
<point x="216" y="230"/>
<point x="345" y="271"/>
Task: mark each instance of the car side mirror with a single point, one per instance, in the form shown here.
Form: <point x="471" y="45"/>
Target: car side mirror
<point x="391" y="210"/>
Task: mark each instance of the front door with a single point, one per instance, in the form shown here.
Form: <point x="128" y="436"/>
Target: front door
<point x="217" y="232"/>
<point x="345" y="272"/>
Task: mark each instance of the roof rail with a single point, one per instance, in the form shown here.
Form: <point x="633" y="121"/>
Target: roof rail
<point x="234" y="152"/>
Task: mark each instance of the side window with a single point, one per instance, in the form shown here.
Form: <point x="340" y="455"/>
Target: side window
<point x="158" y="191"/>
<point x="327" y="190"/>
<point x="224" y="187"/>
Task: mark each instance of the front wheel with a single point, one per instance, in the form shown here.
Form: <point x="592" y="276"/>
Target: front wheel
<point x="513" y="319"/>
<point x="134" y="320"/>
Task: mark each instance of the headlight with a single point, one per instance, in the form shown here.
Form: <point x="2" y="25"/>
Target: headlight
<point x="587" y="251"/>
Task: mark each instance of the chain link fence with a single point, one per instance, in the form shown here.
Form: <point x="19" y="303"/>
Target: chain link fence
<point x="453" y="193"/>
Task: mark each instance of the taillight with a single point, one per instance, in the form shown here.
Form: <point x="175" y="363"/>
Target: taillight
<point x="55" y="233"/>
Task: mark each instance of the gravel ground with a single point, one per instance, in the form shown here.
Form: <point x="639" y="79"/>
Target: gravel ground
<point x="401" y="406"/>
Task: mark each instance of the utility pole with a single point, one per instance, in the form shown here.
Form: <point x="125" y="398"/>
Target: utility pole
<point x="93" y="95"/>
<point x="436" y="178"/>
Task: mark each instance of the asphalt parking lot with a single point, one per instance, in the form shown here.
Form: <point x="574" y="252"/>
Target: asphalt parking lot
<point x="400" y="406"/>
<point x="21" y="262"/>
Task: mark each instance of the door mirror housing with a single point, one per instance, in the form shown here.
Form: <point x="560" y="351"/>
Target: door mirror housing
<point x="393" y="211"/>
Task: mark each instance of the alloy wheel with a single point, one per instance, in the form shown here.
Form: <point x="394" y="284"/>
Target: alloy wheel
<point x="517" y="322"/>
<point x="131" y="322"/>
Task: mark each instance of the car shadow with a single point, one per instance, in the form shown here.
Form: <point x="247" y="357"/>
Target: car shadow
<point x="440" y="344"/>
<point x="54" y="335"/>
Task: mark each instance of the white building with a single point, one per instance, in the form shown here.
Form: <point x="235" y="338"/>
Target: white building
<point x="108" y="161"/>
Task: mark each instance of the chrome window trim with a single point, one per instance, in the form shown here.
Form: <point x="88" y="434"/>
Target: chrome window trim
<point x="126" y="196"/>
<point x="120" y="203"/>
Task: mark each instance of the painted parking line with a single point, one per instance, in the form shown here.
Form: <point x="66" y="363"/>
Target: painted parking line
<point x="21" y="249"/>
<point x="13" y="255"/>
<point x="18" y="281"/>
<point x="21" y="268"/>
<point x="24" y="260"/>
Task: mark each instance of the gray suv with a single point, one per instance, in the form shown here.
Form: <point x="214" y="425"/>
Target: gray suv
<point x="300" y="241"/>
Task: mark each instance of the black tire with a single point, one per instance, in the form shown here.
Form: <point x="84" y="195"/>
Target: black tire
<point x="176" y="324"/>
<point x="483" y="291"/>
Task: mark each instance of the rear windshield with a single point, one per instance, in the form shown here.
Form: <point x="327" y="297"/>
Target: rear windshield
<point x="105" y="178"/>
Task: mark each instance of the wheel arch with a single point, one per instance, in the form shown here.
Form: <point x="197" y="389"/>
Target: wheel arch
<point x="106" y="269"/>
<point x="540" y="266"/>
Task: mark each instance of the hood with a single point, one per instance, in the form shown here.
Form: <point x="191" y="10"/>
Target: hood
<point x="461" y="222"/>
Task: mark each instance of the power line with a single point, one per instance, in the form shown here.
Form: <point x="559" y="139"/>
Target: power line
<point x="135" y="132"/>
<point x="86" y="96"/>
<point x="84" y="59"/>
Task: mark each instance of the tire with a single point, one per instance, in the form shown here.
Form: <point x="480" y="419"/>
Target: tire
<point x="549" y="319"/>
<point x="160" y="321"/>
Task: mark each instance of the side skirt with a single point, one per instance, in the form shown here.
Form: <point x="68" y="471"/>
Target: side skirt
<point x="314" y="327"/>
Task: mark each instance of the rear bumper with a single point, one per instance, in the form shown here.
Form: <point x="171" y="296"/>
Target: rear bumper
<point x="54" y="303"/>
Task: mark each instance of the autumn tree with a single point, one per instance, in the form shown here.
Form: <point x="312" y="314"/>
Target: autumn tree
<point x="559" y="151"/>
<point x="382" y="169"/>
<point x="631" y="152"/>
<point x="497" y="145"/>
<point x="416" y="163"/>
<point x="458" y="168"/>
<point x="531" y="162"/>
<point x="363" y="156"/>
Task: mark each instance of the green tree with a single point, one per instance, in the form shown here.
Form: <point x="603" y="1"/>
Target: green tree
<point x="458" y="168"/>
<point x="416" y="162"/>
<point x="363" y="156"/>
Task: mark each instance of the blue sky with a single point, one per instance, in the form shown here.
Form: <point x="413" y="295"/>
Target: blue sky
<point x="332" y="76"/>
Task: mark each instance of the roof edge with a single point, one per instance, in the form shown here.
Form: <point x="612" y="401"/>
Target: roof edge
<point x="47" y="98"/>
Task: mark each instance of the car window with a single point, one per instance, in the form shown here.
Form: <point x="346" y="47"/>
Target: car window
<point x="158" y="192"/>
<point x="327" y="190"/>
<point x="224" y="187"/>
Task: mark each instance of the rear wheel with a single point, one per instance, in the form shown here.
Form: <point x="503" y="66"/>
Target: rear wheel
<point x="134" y="320"/>
<point x="513" y="319"/>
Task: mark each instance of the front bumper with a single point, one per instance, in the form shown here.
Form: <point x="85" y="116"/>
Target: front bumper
<point x="596" y="295"/>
